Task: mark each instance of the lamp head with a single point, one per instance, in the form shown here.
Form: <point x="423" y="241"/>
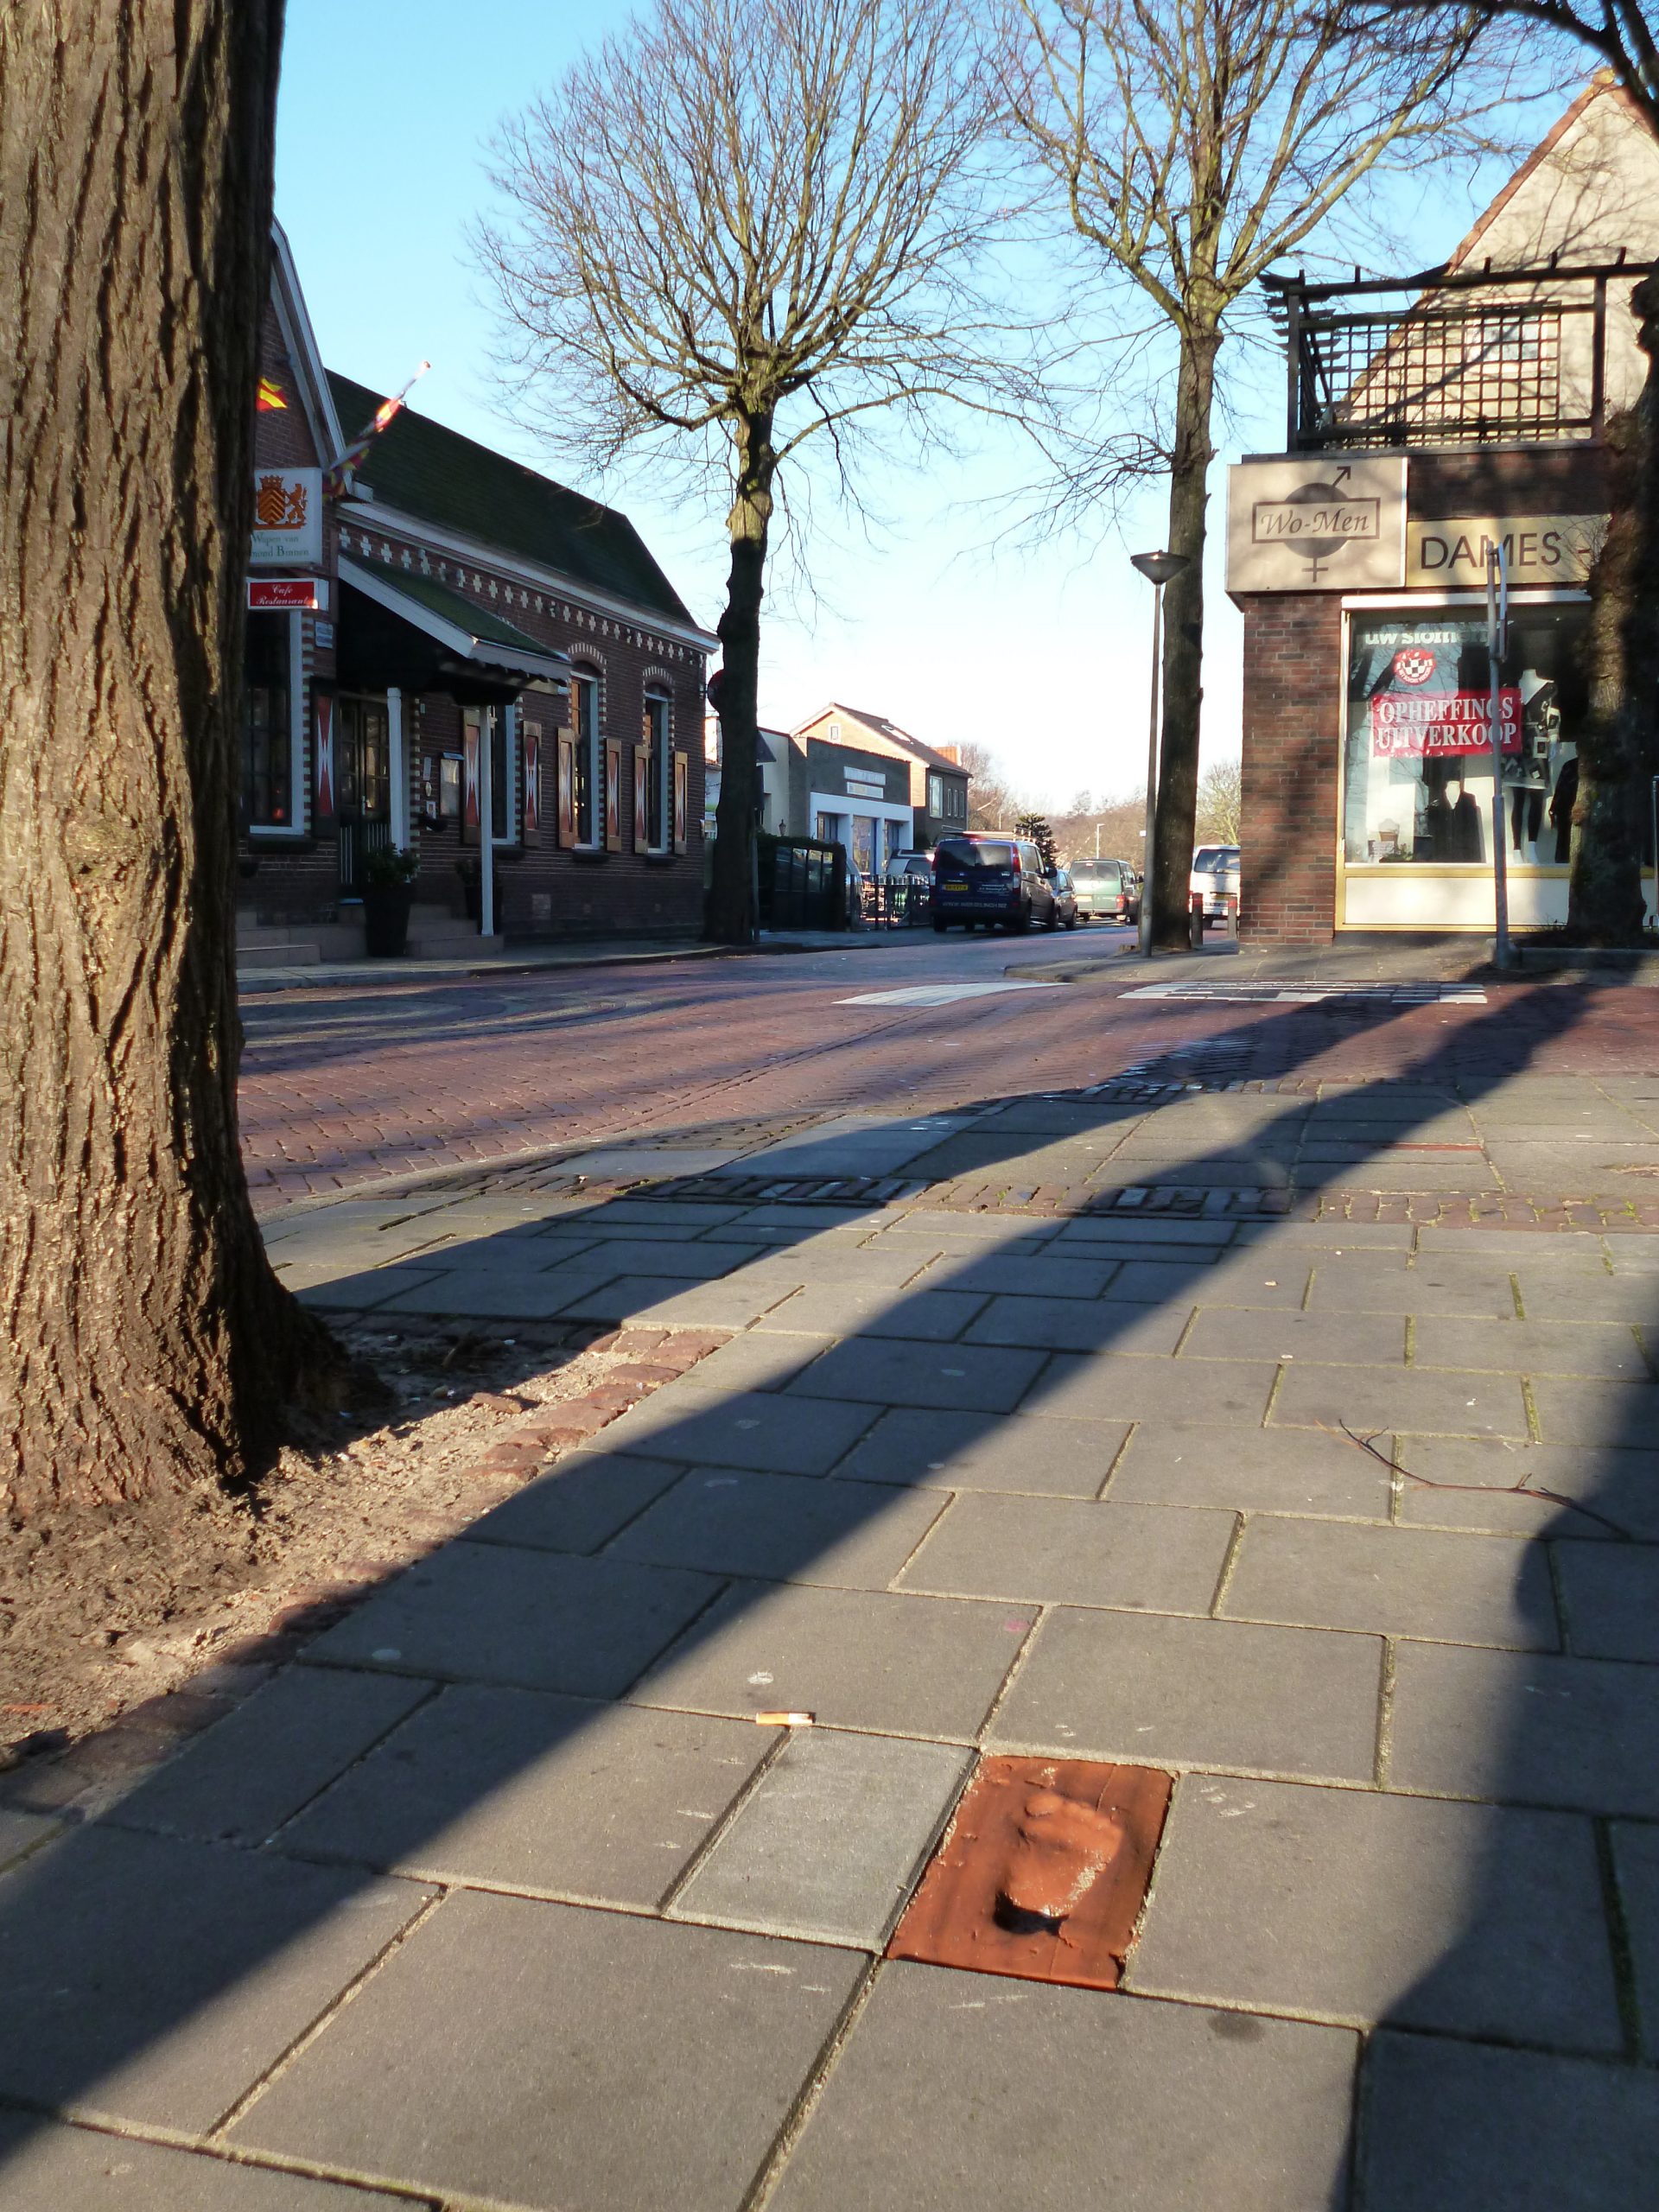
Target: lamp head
<point x="1161" y="568"/>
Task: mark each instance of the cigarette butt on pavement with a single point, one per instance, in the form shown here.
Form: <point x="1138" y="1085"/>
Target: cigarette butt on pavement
<point x="785" y="1720"/>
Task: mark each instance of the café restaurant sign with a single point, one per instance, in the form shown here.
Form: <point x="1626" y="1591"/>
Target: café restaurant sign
<point x="1540" y="548"/>
<point x="287" y="518"/>
<point x="1318" y="525"/>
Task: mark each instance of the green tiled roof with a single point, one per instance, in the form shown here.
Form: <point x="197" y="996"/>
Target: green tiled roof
<point x="465" y="613"/>
<point x="437" y="476"/>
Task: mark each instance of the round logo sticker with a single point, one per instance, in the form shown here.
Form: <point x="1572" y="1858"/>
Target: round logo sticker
<point x="1414" y="665"/>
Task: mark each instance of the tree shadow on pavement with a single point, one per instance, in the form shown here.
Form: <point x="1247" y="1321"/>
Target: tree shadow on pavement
<point x="560" y="1706"/>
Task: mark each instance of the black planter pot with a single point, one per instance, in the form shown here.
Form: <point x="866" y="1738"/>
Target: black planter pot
<point x="386" y="919"/>
<point x="472" y="893"/>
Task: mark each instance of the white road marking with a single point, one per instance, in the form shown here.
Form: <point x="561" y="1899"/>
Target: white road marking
<point x="943" y="994"/>
<point x="1311" y="994"/>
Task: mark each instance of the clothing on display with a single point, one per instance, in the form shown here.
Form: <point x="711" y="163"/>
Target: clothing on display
<point x="1562" y="806"/>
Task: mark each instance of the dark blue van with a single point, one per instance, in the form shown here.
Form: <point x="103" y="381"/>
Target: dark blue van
<point x="998" y="880"/>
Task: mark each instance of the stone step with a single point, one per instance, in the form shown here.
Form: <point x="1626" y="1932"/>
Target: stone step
<point x="429" y="946"/>
<point x="285" y="954"/>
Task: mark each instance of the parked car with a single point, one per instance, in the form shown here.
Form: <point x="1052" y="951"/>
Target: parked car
<point x="909" y="867"/>
<point x="998" y="882"/>
<point x="1107" y="890"/>
<point x="1065" y="898"/>
<point x="1215" y="878"/>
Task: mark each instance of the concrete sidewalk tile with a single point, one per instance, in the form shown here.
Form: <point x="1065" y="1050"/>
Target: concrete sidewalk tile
<point x="542" y="1620"/>
<point x="1078" y="1325"/>
<point x="762" y="1359"/>
<point x="1392" y="1581"/>
<point x="1630" y="1299"/>
<point x="578" y="1504"/>
<point x="1610" y="1595"/>
<point x="1635" y="1862"/>
<point x="243" y="1777"/>
<point x="1071" y="1551"/>
<point x="1026" y="1453"/>
<point x="531" y="1792"/>
<point x="1524" y="1247"/>
<point x="927" y="1316"/>
<point x="1256" y="1471"/>
<point x="995" y="1274"/>
<point x="157" y="1979"/>
<point x="505" y="1294"/>
<point x="900" y="1664"/>
<point x="1359" y="1907"/>
<point x="1407" y="1294"/>
<point x="830" y="1843"/>
<point x="654" y="1303"/>
<point x="784" y="1528"/>
<point x="624" y="1300"/>
<point x="1604" y="1349"/>
<point x="1234" y="1279"/>
<point x="969" y="2092"/>
<point x="1151" y="1690"/>
<point x="1433" y="1401"/>
<point x="865" y="1267"/>
<point x="985" y="1229"/>
<point x="1624" y="1485"/>
<point x="773" y="1432"/>
<point x="21" y="1832"/>
<point x="1574" y="1412"/>
<point x="1334" y="1234"/>
<point x="1236" y="1333"/>
<point x="1484" y="2129"/>
<point x="882" y="1372"/>
<point x="1151" y="1237"/>
<point x="550" y="2057"/>
<point x="646" y="1255"/>
<point x="1581" y="1733"/>
<point x="361" y="1292"/>
<point x="1110" y="1386"/>
<point x="47" y="2167"/>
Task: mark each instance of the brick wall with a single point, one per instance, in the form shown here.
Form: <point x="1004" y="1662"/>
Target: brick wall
<point x="1293" y="725"/>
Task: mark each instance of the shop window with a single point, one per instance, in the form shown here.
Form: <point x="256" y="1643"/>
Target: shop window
<point x="587" y="764"/>
<point x="1418" y="782"/>
<point x="269" y="754"/>
<point x="864" y="842"/>
<point x="657" y="764"/>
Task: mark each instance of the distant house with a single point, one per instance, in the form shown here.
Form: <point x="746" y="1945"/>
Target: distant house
<point x="938" y="783"/>
<point x="772" y="753"/>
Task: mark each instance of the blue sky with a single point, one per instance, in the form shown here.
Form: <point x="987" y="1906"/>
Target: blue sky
<point x="1043" y="655"/>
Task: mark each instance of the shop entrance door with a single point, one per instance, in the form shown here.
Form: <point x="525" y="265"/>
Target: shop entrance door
<point x="362" y="787"/>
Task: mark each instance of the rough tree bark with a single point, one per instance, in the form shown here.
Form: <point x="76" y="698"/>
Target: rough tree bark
<point x="732" y="918"/>
<point x="1617" y="754"/>
<point x="1173" y="830"/>
<point x="145" y="1345"/>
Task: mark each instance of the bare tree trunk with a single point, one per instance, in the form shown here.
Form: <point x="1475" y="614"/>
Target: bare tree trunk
<point x="731" y="899"/>
<point x="144" y="1343"/>
<point x="1617" y="751"/>
<point x="1171" y="864"/>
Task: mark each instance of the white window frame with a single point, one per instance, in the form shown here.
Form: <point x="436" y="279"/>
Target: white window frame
<point x="297" y="825"/>
<point x="661" y="762"/>
<point x="590" y="836"/>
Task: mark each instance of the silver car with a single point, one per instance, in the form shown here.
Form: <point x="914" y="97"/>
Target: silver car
<point x="1215" y="878"/>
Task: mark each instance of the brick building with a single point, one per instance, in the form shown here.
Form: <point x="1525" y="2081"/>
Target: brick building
<point x="445" y="628"/>
<point x="938" y="783"/>
<point x="1427" y="420"/>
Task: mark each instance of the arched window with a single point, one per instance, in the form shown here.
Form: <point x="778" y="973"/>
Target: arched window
<point x="656" y="766"/>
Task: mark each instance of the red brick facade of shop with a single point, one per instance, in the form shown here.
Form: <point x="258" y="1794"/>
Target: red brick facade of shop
<point x="1292" y="712"/>
<point x="544" y="885"/>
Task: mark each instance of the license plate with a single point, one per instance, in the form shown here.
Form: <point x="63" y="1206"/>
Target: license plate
<point x="953" y="883"/>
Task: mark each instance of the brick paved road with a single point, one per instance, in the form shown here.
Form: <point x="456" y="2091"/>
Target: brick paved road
<point x="339" y="1089"/>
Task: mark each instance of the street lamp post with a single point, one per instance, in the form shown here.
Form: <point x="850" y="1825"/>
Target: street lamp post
<point x="1158" y="569"/>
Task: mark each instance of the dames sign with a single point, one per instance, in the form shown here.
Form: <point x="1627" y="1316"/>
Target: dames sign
<point x="1427" y="725"/>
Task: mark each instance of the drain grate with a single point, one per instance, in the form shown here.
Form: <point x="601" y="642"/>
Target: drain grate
<point x="1041" y="1874"/>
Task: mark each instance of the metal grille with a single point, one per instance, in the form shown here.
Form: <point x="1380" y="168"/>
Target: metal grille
<point x="1470" y="377"/>
<point x="1467" y="363"/>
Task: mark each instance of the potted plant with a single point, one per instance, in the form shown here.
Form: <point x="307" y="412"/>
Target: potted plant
<point x="471" y="886"/>
<point x="388" y="880"/>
